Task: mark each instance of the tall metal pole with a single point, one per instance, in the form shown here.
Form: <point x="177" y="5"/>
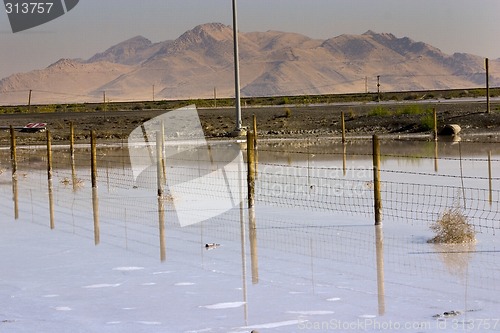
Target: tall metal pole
<point x="236" y="70"/>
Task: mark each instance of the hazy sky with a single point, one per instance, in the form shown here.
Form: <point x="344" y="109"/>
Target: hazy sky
<point x="94" y="25"/>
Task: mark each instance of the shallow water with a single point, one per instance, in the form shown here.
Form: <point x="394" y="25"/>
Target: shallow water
<point x="307" y="257"/>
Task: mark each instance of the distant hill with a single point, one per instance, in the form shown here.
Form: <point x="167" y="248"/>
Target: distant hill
<point x="272" y="63"/>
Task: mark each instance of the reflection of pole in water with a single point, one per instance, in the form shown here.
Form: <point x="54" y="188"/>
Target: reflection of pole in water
<point x="379" y="248"/>
<point x="344" y="158"/>
<point x="436" y="155"/>
<point x="241" y="175"/>
<point x="15" y="197"/>
<point x="161" y="225"/>
<point x="252" y="226"/>
<point x="51" y="205"/>
<point x="312" y="264"/>
<point x="490" y="186"/>
<point x="95" y="209"/>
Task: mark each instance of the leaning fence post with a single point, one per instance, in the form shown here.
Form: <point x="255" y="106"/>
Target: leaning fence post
<point x="251" y="168"/>
<point x="376" y="180"/>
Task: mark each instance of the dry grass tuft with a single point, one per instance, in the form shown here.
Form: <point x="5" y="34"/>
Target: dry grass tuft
<point x="453" y="227"/>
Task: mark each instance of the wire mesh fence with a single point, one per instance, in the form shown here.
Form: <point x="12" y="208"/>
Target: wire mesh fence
<point x="314" y="200"/>
<point x="413" y="188"/>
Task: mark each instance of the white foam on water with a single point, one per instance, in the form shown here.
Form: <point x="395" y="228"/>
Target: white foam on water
<point x="184" y="284"/>
<point x="276" y="324"/>
<point x="227" y="305"/>
<point x="312" y="312"/>
<point x="128" y="269"/>
<point x="102" y="285"/>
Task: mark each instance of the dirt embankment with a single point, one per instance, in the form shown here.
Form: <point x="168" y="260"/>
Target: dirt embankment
<point x="283" y="121"/>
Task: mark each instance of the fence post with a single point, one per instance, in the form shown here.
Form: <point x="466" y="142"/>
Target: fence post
<point x="93" y="159"/>
<point x="251" y="168"/>
<point x="95" y="199"/>
<point x="13" y="151"/>
<point x="49" y="156"/>
<point x="255" y="131"/>
<point x="159" y="164"/>
<point x="49" y="179"/>
<point x="255" y="142"/>
<point x="376" y="180"/>
<point x="342" y="120"/>
<point x="72" y="141"/>
<point x="72" y="154"/>
<point x="435" y="124"/>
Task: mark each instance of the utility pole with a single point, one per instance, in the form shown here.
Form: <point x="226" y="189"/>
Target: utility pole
<point x="153" y="92"/>
<point x="29" y="101"/>
<point x="215" y="97"/>
<point x="378" y="88"/>
<point x="238" y="129"/>
<point x="366" y="84"/>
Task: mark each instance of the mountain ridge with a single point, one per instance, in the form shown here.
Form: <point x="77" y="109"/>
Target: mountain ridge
<point x="271" y="62"/>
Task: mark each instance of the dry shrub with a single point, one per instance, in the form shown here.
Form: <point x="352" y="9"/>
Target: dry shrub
<point x="453" y="227"/>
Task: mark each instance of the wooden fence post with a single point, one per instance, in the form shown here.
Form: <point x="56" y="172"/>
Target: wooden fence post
<point x="434" y="112"/>
<point x="72" y="141"/>
<point x="255" y="131"/>
<point x="49" y="155"/>
<point x="376" y="180"/>
<point x="159" y="164"/>
<point x="93" y="159"/>
<point x="13" y="160"/>
<point x="95" y="198"/>
<point x="342" y="120"/>
<point x="72" y="154"/>
<point x="13" y="151"/>
<point x="251" y="168"/>
<point x="49" y="179"/>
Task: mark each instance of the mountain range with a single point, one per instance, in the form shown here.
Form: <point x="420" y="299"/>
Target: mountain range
<point x="199" y="63"/>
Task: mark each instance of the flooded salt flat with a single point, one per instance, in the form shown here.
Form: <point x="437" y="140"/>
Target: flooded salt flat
<point x="306" y="257"/>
